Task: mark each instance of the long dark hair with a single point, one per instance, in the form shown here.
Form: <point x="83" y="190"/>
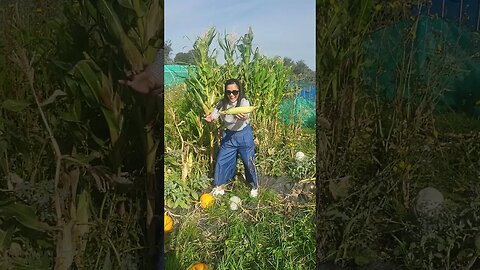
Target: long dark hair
<point x="223" y="103"/>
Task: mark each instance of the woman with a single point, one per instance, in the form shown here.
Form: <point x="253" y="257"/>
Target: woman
<point x="236" y="138"/>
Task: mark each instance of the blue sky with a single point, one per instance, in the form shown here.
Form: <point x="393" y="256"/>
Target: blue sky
<point x="280" y="27"/>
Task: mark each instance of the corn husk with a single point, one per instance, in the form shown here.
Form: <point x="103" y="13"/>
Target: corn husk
<point x="238" y="110"/>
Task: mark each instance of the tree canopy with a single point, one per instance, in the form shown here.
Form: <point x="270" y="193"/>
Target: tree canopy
<point x="185" y="58"/>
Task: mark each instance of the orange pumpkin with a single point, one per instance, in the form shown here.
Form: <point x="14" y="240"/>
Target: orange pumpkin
<point x="167" y="223"/>
<point x="206" y="200"/>
<point x="199" y="266"/>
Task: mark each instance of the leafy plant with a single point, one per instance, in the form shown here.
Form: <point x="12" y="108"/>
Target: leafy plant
<point x="266" y="81"/>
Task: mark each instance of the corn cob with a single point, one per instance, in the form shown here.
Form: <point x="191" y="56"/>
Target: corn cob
<point x="237" y="110"/>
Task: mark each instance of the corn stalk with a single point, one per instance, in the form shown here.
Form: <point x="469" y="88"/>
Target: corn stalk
<point x="99" y="93"/>
<point x="71" y="217"/>
<point x="266" y="83"/>
<point x="340" y="60"/>
<point x="138" y="41"/>
<point x="204" y="85"/>
<point x="245" y="49"/>
<point x="228" y="45"/>
<point x="137" y="52"/>
<point x="115" y="28"/>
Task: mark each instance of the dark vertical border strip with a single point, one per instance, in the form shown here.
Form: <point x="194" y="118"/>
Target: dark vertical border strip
<point x="478" y="16"/>
<point x="159" y="171"/>
<point x="317" y="134"/>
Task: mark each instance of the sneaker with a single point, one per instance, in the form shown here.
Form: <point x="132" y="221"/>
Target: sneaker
<point x="254" y="192"/>
<point x="217" y="192"/>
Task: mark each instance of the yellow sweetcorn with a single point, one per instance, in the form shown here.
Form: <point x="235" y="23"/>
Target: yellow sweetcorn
<point x="237" y="110"/>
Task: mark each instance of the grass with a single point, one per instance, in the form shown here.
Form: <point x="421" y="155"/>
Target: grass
<point x="377" y="213"/>
<point x="271" y="231"/>
<point x="265" y="233"/>
<point x="457" y="122"/>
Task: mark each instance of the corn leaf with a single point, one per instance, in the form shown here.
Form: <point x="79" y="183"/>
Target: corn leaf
<point x="25" y="215"/>
<point x="113" y="22"/>
<point x="86" y="72"/>
<point x="139" y="7"/>
<point x="6" y="237"/>
<point x="15" y="105"/>
<point x="152" y="22"/>
<point x="52" y="98"/>
<point x="126" y="3"/>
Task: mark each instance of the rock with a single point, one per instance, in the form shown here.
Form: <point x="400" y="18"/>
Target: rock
<point x="233" y="206"/>
<point x="339" y="188"/>
<point x="280" y="185"/>
<point x="323" y="123"/>
<point x="428" y="203"/>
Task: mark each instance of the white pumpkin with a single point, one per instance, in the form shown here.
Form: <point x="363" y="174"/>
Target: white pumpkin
<point x="235" y="202"/>
<point x="428" y="202"/>
<point x="299" y="156"/>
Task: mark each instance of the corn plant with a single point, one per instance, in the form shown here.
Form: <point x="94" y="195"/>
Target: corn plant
<point x="341" y="29"/>
<point x="132" y="45"/>
<point x="340" y="59"/>
<point x="266" y="82"/>
<point x="228" y="45"/>
<point x="204" y="86"/>
<point x="84" y="122"/>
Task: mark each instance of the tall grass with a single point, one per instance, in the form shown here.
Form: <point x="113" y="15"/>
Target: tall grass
<point x="375" y="154"/>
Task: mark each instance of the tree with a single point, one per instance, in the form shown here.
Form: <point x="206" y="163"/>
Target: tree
<point x="301" y="68"/>
<point x="288" y="62"/>
<point x="185" y="58"/>
<point x="167" y="51"/>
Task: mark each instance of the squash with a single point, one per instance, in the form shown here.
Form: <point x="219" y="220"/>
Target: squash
<point x="206" y="200"/>
<point x="167" y="223"/>
<point x="199" y="266"/>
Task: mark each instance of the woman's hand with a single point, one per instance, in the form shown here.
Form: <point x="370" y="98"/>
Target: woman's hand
<point x="241" y="116"/>
<point x="143" y="81"/>
<point x="209" y="118"/>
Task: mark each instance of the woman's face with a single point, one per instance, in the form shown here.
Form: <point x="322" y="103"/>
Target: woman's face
<point x="232" y="92"/>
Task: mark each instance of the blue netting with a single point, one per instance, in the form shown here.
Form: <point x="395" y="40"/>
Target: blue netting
<point x="301" y="109"/>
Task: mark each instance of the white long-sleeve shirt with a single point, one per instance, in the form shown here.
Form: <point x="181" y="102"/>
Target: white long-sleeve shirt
<point x="157" y="66"/>
<point x="230" y="121"/>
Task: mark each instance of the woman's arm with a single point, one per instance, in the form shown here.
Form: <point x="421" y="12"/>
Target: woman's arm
<point x="150" y="80"/>
<point x="213" y="115"/>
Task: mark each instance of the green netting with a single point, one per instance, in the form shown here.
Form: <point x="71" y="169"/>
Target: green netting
<point x="446" y="58"/>
<point x="300" y="110"/>
<point x="175" y="74"/>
